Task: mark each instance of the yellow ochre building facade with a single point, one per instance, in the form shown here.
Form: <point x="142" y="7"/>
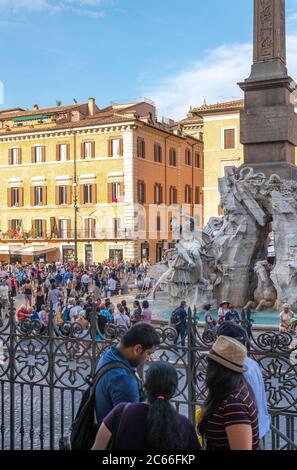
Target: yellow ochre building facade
<point x="112" y="159"/>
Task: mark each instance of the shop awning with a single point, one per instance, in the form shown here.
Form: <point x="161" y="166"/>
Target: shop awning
<point x="31" y="118"/>
<point x="29" y="250"/>
<point x="33" y="250"/>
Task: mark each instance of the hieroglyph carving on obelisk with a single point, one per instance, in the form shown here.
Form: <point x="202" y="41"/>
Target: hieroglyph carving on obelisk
<point x="269" y="30"/>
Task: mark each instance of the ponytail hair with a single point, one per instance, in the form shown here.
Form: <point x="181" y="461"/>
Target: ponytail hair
<point x="163" y="429"/>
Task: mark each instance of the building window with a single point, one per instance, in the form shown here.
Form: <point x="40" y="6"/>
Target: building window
<point x="188" y="160"/>
<point x="141" y="192"/>
<point x="115" y="192"/>
<point x="197" y="160"/>
<point x="188" y="194"/>
<point x="15" y="197"/>
<point x="62" y="195"/>
<point x="90" y="227"/>
<point x="115" y="148"/>
<point x="158" y="153"/>
<point x="172" y="195"/>
<point x="38" y="154"/>
<point x="229" y="139"/>
<point x="229" y="170"/>
<point x="38" y="192"/>
<point x="172" y="157"/>
<point x="140" y="148"/>
<point x="62" y="152"/>
<point x="88" y="149"/>
<point x="15" y="224"/>
<point x="158" y="196"/>
<point x="15" y="156"/>
<point x="63" y="228"/>
<point x="87" y="189"/>
<point x="197" y="195"/>
<point x="39" y="228"/>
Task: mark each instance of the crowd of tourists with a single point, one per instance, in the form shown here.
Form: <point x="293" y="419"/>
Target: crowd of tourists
<point x="71" y="291"/>
<point x="227" y="312"/>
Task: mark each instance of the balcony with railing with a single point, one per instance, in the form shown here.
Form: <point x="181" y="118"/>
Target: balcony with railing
<point x="95" y="234"/>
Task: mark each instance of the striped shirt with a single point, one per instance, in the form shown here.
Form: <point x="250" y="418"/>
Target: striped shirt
<point x="237" y="408"/>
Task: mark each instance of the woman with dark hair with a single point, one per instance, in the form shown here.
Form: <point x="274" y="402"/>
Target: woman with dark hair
<point x="146" y="312"/>
<point x="154" y="424"/>
<point x="229" y="416"/>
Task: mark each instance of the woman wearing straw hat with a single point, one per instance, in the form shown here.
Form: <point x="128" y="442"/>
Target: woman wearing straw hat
<point x="229" y="416"/>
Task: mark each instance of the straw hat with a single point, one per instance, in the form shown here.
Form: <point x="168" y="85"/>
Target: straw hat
<point x="229" y="353"/>
<point x="225" y="302"/>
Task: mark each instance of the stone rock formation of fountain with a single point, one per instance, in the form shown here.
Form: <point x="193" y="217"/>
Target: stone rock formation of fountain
<point x="228" y="260"/>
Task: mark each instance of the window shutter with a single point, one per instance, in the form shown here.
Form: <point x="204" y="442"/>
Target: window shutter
<point x="20" y="155"/>
<point x="93" y="225"/>
<point x="138" y="147"/>
<point x="229" y="137"/>
<point x="32" y="196"/>
<point x="144" y="193"/>
<point x="121" y="148"/>
<point x="44" y="195"/>
<point x="9" y="156"/>
<point x="57" y="152"/>
<point x="82" y="150"/>
<point x="94" y="194"/>
<point x="43" y="153"/>
<point x="68" y="228"/>
<point x="81" y="194"/>
<point x="21" y="197"/>
<point x="93" y="149"/>
<point x="57" y="195"/>
<point x="155" y="152"/>
<point x="9" y="198"/>
<point x="67" y="151"/>
<point x="122" y="189"/>
<point x="161" y="194"/>
<point x="109" y="192"/>
<point x="143" y="149"/>
<point x="43" y="225"/>
<point x="32" y="154"/>
<point x="69" y="195"/>
<point x="110" y="148"/>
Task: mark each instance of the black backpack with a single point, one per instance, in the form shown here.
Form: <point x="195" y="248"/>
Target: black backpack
<point x="175" y="316"/>
<point x="84" y="427"/>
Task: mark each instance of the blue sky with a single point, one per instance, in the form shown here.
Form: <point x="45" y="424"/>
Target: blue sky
<point x="176" y="52"/>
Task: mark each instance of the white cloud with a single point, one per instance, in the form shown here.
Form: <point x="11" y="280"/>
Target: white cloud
<point x="85" y="7"/>
<point x="214" y="78"/>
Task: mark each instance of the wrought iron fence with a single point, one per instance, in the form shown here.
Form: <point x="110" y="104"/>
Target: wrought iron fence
<point x="43" y="371"/>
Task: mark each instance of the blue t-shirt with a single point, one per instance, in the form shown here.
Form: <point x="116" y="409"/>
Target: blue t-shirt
<point x="116" y="386"/>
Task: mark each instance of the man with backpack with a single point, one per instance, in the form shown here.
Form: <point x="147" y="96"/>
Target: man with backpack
<point x="179" y="322"/>
<point x="115" y="382"/>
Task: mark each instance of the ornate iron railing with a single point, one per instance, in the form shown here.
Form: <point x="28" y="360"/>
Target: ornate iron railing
<point x="43" y="371"/>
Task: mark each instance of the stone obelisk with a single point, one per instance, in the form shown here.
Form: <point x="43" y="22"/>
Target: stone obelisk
<point x="268" y="120"/>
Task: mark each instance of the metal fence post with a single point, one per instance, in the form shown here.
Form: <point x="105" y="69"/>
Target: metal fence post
<point x="11" y="353"/>
<point x="51" y="359"/>
<point x="191" y="368"/>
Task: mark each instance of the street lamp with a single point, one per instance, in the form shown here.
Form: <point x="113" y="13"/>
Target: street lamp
<point x="75" y="199"/>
